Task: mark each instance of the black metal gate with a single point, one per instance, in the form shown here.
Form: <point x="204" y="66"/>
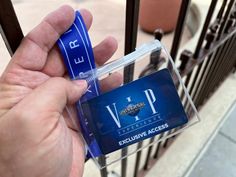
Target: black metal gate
<point x="202" y="70"/>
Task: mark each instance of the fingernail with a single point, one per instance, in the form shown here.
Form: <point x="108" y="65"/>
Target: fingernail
<point x="82" y="84"/>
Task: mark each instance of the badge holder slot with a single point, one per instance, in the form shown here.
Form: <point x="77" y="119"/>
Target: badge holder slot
<point x="103" y="132"/>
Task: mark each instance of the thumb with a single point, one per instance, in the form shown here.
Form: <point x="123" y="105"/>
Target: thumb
<point x="52" y="96"/>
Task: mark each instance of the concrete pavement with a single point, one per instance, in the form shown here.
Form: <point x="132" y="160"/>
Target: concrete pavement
<point x="218" y="158"/>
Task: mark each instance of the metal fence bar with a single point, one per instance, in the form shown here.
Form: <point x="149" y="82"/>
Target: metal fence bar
<point x="156" y="154"/>
<point x="229" y="25"/>
<point x="210" y="38"/>
<point x="185" y="56"/>
<point x="219" y="54"/>
<point x="102" y="162"/>
<point x="177" y="38"/>
<point x="153" y="65"/>
<point x="9" y="26"/>
<point x="225" y="19"/>
<point x="202" y="89"/>
<point x="232" y="56"/>
<point x="137" y="160"/>
<point x="195" y="79"/>
<point x="220" y="58"/>
<point x="209" y="63"/>
<point x="225" y="65"/>
<point x="148" y="156"/>
<point x="198" y="79"/>
<point x="206" y="77"/>
<point x="131" y="26"/>
<point x="222" y="61"/>
<point x="230" y="64"/>
<point x="205" y="28"/>
<point x="179" y="28"/>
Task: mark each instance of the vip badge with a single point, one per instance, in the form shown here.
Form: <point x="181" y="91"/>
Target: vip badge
<point x="135" y="111"/>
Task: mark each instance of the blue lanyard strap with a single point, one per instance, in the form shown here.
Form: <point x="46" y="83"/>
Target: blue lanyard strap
<point x="77" y="52"/>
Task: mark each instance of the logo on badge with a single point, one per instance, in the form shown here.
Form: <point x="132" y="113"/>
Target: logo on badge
<point x="132" y="109"/>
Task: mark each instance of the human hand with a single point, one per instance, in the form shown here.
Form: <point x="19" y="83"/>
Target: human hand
<point x="37" y="138"/>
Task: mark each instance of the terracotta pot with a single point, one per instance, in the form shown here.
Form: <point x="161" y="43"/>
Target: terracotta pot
<point x="158" y="14"/>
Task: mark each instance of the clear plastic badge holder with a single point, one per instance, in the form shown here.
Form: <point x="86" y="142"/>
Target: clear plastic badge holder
<point x="141" y="57"/>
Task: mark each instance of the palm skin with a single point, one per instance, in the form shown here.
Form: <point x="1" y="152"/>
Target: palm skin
<point x="37" y="138"/>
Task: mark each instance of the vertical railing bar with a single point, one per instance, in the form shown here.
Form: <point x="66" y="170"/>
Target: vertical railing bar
<point x="221" y="60"/>
<point x="148" y="154"/>
<point x="209" y="75"/>
<point x="185" y="56"/>
<point x="202" y="89"/>
<point x="10" y="27"/>
<point x="152" y="66"/>
<point x="102" y="162"/>
<point x="188" y="78"/>
<point x="177" y="37"/>
<point x="165" y="144"/>
<point x="230" y="55"/>
<point x="221" y="11"/>
<point x="131" y="27"/>
<point x="222" y="57"/>
<point x="199" y="45"/>
<point x="195" y="78"/>
<point x="138" y="158"/>
<point x="211" y="61"/>
<point x="233" y="55"/>
<point x="194" y="86"/>
<point x="202" y="69"/>
<point x="202" y="37"/>
<point x="7" y="44"/>
<point x="199" y="86"/>
<point x="179" y="28"/>
<point x="229" y="61"/>
<point x="233" y="63"/>
<point x="205" y="28"/>
<point x="158" y="147"/>
<point x="225" y="19"/>
<point x="228" y="66"/>
<point x="186" y="83"/>
<point x="124" y="163"/>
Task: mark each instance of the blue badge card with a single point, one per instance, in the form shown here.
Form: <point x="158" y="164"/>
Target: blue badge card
<point x="135" y="111"/>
